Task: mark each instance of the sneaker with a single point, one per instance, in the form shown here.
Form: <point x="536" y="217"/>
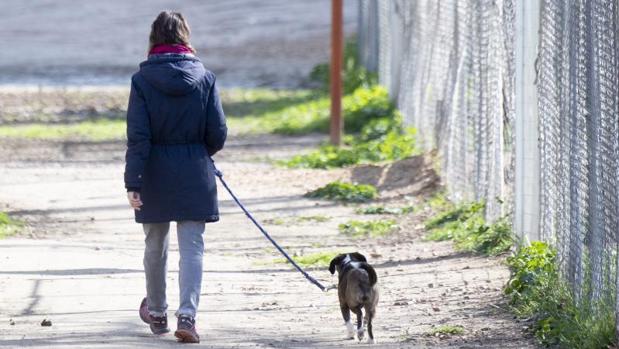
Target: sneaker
<point x="158" y="324"/>
<point x="186" y="331"/>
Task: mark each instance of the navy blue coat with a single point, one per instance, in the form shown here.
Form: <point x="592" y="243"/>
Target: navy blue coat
<point x="175" y="122"/>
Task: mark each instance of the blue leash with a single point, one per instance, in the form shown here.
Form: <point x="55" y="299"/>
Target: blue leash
<point x="264" y="232"/>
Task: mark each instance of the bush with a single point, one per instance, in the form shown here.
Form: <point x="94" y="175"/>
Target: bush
<point x="530" y="266"/>
<point x="381" y="139"/>
<point x="372" y="229"/>
<point x="536" y="290"/>
<point x="366" y="104"/>
<point x="347" y="192"/>
<point x="354" y="74"/>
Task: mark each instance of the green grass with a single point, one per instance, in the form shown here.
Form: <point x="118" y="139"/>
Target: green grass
<point x="301" y="111"/>
<point x="354" y="73"/>
<point x="92" y="130"/>
<point x="466" y="226"/>
<point x="256" y="102"/>
<point x="318" y="259"/>
<point x="373" y="229"/>
<point x="248" y="111"/>
<point x="304" y="111"/>
<point x="9" y="226"/>
<point x="537" y="291"/>
<point x="450" y="330"/>
<point x="305" y="114"/>
<point x="379" y="209"/>
<point x="345" y="192"/>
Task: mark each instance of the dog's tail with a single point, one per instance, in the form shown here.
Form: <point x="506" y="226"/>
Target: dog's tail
<point x="371" y="272"/>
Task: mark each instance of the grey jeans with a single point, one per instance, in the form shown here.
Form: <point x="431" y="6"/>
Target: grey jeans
<point x="191" y="248"/>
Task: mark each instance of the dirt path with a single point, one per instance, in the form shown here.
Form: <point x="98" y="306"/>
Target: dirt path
<point x="81" y="267"/>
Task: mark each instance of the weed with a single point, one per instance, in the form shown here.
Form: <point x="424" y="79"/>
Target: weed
<point x="385" y="210"/>
<point x="315" y="218"/>
<point x="455" y="214"/>
<point x="8" y="225"/>
<point x="447" y="232"/>
<point x="327" y="156"/>
<point x="446" y="330"/>
<point x="376" y="143"/>
<point x="275" y="221"/>
<point x="372" y="229"/>
<point x="490" y="240"/>
<point x="439" y="202"/>
<point x="297" y="219"/>
<point x="318" y="259"/>
<point x="346" y="192"/>
<point x="466" y="226"/>
<point x="537" y="291"/>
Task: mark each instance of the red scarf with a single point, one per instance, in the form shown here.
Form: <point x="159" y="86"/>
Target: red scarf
<point x="167" y="48"/>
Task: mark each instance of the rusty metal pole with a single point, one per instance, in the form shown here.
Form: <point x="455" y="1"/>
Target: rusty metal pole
<point x="337" y="50"/>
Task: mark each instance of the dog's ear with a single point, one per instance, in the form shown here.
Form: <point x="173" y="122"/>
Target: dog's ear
<point x="335" y="261"/>
<point x="371" y="273"/>
<point x="358" y="257"/>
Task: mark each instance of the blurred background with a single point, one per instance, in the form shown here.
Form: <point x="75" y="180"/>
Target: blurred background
<point x="245" y="42"/>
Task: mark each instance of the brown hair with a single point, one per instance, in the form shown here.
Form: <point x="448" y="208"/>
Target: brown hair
<point x="170" y="28"/>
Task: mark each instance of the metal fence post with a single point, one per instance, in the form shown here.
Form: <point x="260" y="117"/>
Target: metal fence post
<point x="527" y="179"/>
<point x="337" y="52"/>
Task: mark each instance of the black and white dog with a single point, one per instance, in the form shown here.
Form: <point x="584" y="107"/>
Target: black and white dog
<point x="357" y="290"/>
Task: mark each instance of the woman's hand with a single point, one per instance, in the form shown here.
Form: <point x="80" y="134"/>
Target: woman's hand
<point x="134" y="200"/>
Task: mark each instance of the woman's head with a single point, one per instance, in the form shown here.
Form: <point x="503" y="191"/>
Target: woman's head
<point x="170" y="28"/>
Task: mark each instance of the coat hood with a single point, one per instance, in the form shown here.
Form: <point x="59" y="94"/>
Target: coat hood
<point x="173" y="74"/>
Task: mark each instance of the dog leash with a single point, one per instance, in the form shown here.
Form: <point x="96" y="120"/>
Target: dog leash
<point x="309" y="278"/>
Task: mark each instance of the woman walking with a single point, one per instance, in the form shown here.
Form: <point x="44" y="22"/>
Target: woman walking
<point x="175" y="122"/>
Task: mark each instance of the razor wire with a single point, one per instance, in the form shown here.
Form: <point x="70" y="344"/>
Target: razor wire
<point x="450" y="67"/>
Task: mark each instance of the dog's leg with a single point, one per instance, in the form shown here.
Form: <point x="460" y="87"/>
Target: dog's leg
<point x="359" y="323"/>
<point x="370" y="315"/>
<point x="350" y="328"/>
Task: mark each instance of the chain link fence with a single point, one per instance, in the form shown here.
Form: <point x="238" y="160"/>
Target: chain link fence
<point x="450" y="65"/>
<point x="578" y="105"/>
<point x="450" y="68"/>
